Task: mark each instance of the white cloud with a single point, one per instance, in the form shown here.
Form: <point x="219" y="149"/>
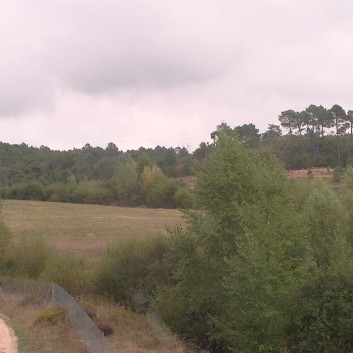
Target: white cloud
<point x="165" y="72"/>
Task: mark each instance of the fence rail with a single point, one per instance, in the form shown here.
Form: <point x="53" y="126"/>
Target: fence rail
<point x="43" y="292"/>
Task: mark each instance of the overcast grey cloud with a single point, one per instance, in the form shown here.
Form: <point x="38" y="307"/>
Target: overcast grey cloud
<point x="165" y="72"/>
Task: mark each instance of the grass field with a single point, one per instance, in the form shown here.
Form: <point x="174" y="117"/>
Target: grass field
<point x="84" y="230"/>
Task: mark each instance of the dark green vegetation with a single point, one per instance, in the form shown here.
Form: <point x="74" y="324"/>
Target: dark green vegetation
<point x="316" y="137"/>
<point x="262" y="264"/>
<point x="94" y="175"/>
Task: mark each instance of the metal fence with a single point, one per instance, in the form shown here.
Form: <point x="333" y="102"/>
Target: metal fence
<point x="43" y="293"/>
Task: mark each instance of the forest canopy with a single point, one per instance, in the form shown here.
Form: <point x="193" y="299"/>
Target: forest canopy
<point x="316" y="137"/>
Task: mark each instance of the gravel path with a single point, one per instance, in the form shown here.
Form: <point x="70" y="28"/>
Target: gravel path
<point x="8" y="342"/>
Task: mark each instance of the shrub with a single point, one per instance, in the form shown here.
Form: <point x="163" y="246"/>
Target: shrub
<point x="322" y="319"/>
<point x="70" y="273"/>
<point x="157" y="188"/>
<point x="184" y="197"/>
<point x="337" y="174"/>
<point x="27" y="190"/>
<point x="30" y="257"/>
<point x="132" y="270"/>
<point x="50" y="316"/>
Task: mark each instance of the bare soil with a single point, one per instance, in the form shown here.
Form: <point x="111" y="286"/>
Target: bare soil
<point x="8" y="340"/>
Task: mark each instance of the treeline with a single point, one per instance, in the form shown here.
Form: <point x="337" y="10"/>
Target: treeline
<point x="319" y="137"/>
<point x="316" y="137"/>
<point x="148" y="177"/>
<point x="262" y="264"/>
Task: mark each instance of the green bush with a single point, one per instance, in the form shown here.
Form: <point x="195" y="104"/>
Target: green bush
<point x="69" y="272"/>
<point x="184" y="197"/>
<point x="27" y="190"/>
<point x="86" y="191"/>
<point x="30" y="257"/>
<point x="338" y="172"/>
<point x="157" y="189"/>
<point x="132" y="270"/>
<point x="322" y="319"/>
<point x="50" y="316"/>
<point x="61" y="192"/>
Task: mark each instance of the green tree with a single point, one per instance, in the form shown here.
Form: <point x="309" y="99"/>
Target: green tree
<point x="239" y="257"/>
<point x="248" y="133"/>
<point x="288" y="120"/>
<point x="272" y="132"/>
<point x="338" y="116"/>
<point x="125" y="182"/>
<point x="158" y="189"/>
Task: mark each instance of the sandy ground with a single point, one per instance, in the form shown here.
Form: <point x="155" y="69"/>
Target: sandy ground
<point x="8" y="342"/>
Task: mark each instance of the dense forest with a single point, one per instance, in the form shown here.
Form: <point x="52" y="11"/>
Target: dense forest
<point x="314" y="137"/>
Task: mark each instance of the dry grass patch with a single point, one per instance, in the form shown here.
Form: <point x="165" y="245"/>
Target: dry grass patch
<point x="324" y="173"/>
<point x="39" y="336"/>
<point x="133" y="332"/>
<point x="84" y="230"/>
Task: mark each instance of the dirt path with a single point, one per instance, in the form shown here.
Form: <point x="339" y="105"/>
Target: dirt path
<point x="8" y="342"/>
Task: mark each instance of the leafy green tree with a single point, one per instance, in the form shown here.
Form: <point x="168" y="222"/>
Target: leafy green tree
<point x="248" y="133"/>
<point x="272" y="132"/>
<point x="142" y="161"/>
<point x="158" y="189"/>
<point x="125" y="182"/>
<point x="288" y="120"/>
<point x="239" y="257"/>
<point x="320" y="117"/>
<point x="201" y="152"/>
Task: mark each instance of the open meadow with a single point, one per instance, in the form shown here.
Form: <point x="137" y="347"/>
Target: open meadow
<point x="84" y="230"/>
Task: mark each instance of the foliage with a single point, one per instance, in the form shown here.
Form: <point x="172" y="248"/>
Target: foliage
<point x="317" y="137"/>
<point x="69" y="272"/>
<point x="245" y="243"/>
<point x="337" y="174"/>
<point x="132" y="270"/>
<point x="157" y="188"/>
<point x="322" y="313"/>
<point x="184" y="197"/>
<point x="29" y="258"/>
<point x="50" y="316"/>
<point x="324" y="217"/>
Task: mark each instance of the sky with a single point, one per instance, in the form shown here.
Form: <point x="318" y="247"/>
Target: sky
<point x="166" y="72"/>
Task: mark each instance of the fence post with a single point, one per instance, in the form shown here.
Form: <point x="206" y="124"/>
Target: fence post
<point x="24" y="289"/>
